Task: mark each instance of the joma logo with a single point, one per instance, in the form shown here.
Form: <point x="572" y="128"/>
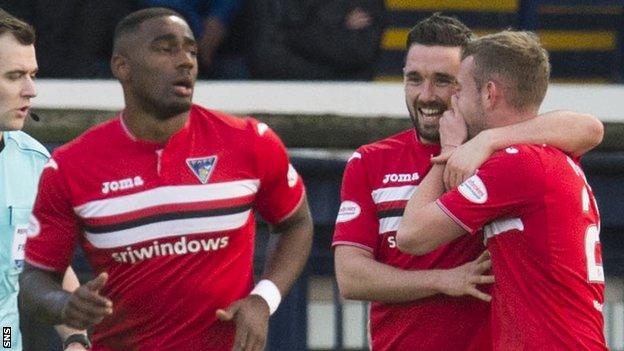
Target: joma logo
<point x="400" y="177"/>
<point x="123" y="184"/>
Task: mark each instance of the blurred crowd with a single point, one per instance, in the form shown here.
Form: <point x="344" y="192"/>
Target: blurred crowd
<point x="238" y="39"/>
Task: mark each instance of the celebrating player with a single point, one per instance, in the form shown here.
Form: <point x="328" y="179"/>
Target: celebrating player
<point x="433" y="301"/>
<point x="531" y="202"/>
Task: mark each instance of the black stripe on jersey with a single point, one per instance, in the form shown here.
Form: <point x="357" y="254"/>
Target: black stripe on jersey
<point x="394" y="212"/>
<point x="99" y="229"/>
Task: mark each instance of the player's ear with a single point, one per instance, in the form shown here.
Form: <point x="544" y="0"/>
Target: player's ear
<point x="490" y="94"/>
<point x="120" y="67"/>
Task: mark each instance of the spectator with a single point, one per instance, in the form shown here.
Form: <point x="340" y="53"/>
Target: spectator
<point x="74" y="36"/>
<point x="315" y="39"/>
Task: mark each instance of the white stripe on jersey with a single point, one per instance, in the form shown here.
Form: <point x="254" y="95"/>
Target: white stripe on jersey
<point x="389" y="224"/>
<point x="501" y="226"/>
<point x="167" y="195"/>
<point x="167" y="229"/>
<point x="396" y="193"/>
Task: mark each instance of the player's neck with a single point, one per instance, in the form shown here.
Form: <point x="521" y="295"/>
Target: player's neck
<point x="507" y="117"/>
<point x="145" y="126"/>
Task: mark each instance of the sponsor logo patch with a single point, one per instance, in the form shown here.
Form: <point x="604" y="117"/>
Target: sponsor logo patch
<point x="473" y="190"/>
<point x="34" y="227"/>
<point x="511" y="150"/>
<point x="292" y="175"/>
<point x="202" y="167"/>
<point x="348" y="210"/>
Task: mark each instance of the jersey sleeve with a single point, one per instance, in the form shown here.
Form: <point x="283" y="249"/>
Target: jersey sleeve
<point x="356" y="223"/>
<point x="504" y="186"/>
<point x="53" y="229"/>
<point x="281" y="188"/>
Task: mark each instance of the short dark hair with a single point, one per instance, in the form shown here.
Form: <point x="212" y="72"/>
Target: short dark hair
<point x="439" y="30"/>
<point x="22" y="31"/>
<point x="516" y="58"/>
<point x="130" y="23"/>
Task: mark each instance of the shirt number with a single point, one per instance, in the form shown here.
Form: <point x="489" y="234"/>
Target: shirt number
<point x="595" y="272"/>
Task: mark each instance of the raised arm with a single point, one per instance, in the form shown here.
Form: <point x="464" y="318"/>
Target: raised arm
<point x="574" y="133"/>
<point x="424" y="225"/>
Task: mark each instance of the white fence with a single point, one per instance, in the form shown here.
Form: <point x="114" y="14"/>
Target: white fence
<point x="349" y="99"/>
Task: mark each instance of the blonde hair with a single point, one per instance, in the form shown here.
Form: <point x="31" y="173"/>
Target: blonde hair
<point x="517" y="60"/>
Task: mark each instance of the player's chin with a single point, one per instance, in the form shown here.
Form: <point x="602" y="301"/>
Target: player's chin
<point x="180" y="105"/>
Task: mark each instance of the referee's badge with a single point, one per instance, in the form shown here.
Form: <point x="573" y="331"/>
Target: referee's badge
<point x="202" y="167"/>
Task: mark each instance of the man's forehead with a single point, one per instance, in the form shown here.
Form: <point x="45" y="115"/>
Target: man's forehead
<point x="16" y="56"/>
<point x="159" y="26"/>
<point x="440" y="59"/>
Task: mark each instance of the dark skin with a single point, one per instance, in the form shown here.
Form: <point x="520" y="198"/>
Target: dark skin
<point x="157" y="68"/>
<point x="251" y="314"/>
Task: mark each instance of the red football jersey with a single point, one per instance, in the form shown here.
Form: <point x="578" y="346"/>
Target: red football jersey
<point x="378" y="181"/>
<point x="172" y="224"/>
<point x="542" y="226"/>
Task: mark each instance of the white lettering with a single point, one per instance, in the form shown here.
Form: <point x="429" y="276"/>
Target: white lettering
<point x="122" y="184"/>
<point x="116" y="257"/>
<point x="138" y="181"/>
<point x="193" y="246"/>
<point x="224" y="242"/>
<point x="211" y="244"/>
<point x="391" y="242"/>
<point x="400" y="177"/>
<point x="145" y="252"/>
<point x="180" y="247"/>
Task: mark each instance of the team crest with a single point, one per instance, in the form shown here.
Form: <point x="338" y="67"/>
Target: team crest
<point x="202" y="167"/>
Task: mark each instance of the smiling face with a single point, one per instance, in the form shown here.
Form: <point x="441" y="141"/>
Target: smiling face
<point x="18" y="67"/>
<point x="429" y="77"/>
<point x="158" y="67"/>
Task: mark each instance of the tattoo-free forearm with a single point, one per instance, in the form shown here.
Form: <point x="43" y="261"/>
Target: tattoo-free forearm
<point x="291" y="253"/>
<point x="42" y="294"/>
<point x="572" y="132"/>
<point x="360" y="277"/>
<point x="70" y="284"/>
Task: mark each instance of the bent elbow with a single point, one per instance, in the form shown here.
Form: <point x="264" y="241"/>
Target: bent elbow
<point x="347" y="289"/>
<point x="593" y="131"/>
<point x="412" y="242"/>
<point x="596" y="131"/>
<point x="347" y="292"/>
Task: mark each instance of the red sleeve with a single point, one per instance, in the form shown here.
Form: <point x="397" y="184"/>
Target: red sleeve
<point x="503" y="187"/>
<point x="357" y="222"/>
<point x="281" y="187"/>
<point x="53" y="230"/>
